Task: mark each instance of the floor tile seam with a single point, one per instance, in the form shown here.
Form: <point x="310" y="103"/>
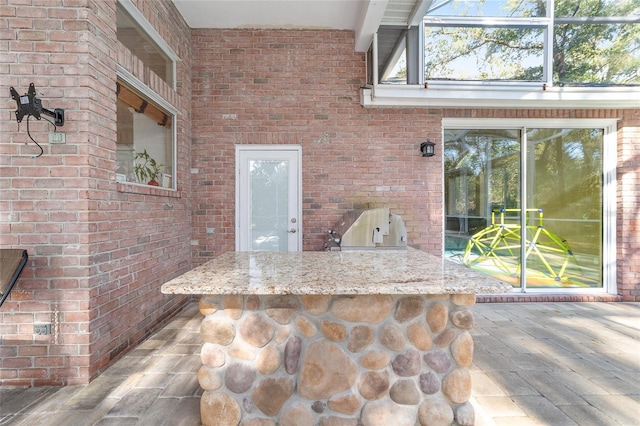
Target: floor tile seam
<point x="496" y="407"/>
<point x="121" y="418"/>
<point x="480" y="412"/>
<point x="549" y="390"/>
<point x="535" y="415"/>
<point x="594" y="390"/>
<point x="610" y="420"/>
<point x="623" y="376"/>
<point x="33" y="403"/>
<point x="614" y="415"/>
<point x="609" y="367"/>
<point x="497" y="385"/>
<point x="552" y="396"/>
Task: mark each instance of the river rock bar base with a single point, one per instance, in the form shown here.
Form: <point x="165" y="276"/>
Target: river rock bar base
<point x="363" y="338"/>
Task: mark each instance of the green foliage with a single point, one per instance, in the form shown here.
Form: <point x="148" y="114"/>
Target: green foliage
<point x="146" y="168"/>
<point x="583" y="53"/>
<point x="597" y="53"/>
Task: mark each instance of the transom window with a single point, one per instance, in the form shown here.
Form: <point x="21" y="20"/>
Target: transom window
<point x="137" y="35"/>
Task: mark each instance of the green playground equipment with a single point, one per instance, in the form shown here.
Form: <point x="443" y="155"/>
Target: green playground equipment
<point x="501" y="241"/>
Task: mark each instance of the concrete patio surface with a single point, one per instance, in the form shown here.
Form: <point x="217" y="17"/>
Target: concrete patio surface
<point x="534" y="364"/>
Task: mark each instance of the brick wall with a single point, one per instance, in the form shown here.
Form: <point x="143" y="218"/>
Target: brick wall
<point x="301" y="87"/>
<point x="98" y="250"/>
<point x="628" y="207"/>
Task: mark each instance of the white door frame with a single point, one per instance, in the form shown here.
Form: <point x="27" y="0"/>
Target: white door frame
<point x="609" y="185"/>
<point x="297" y="149"/>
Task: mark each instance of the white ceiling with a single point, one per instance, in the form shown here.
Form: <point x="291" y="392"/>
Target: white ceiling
<point x="362" y="16"/>
<point x="331" y="14"/>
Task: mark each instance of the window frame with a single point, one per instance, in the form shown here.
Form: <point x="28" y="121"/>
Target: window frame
<point x="122" y="74"/>
<point x="493" y="23"/>
<point x="609" y="184"/>
<point x="500" y="93"/>
<point x="145" y="26"/>
<point x="130" y="80"/>
<point x="547" y="24"/>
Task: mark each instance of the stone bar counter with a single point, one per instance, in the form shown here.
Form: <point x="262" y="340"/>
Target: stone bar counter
<point x="373" y="338"/>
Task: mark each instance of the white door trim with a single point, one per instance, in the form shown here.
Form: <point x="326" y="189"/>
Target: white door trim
<point x="609" y="187"/>
<point x="297" y="149"/>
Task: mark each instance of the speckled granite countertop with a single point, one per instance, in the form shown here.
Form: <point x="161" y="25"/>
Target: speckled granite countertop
<point x="317" y="272"/>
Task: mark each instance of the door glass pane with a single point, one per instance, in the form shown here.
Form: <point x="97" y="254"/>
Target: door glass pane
<point x="564" y="186"/>
<point x="269" y="204"/>
<point x="482" y="200"/>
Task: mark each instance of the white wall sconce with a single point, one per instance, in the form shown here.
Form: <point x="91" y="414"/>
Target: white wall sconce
<point x="428" y="149"/>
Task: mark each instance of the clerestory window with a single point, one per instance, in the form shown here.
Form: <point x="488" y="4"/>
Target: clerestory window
<point x="137" y="35"/>
<point x="550" y="43"/>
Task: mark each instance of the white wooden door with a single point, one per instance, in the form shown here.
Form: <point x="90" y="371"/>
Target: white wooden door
<point x="268" y="198"/>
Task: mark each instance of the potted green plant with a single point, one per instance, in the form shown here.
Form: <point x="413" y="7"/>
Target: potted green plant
<point x="147" y="169"/>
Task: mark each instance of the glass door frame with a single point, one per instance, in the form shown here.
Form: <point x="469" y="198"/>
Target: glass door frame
<point x="609" y="186"/>
<point x="295" y="195"/>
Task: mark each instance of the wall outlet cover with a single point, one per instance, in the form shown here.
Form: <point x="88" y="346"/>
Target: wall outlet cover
<point x="42" y="329"/>
<point x="57" y="137"/>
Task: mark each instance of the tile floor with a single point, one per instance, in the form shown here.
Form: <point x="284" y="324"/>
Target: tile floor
<point x="535" y="364"/>
<point x="557" y="364"/>
<point x="155" y="384"/>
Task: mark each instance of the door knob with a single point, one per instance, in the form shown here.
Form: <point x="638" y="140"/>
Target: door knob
<point x="292" y="231"/>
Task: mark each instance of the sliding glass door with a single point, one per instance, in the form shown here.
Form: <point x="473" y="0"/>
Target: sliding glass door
<point x="564" y="193"/>
<point x="525" y="204"/>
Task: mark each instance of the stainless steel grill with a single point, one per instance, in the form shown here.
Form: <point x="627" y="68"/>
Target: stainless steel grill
<point x="368" y="229"/>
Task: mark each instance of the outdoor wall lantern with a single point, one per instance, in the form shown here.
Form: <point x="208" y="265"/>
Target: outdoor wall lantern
<point x="428" y="149"/>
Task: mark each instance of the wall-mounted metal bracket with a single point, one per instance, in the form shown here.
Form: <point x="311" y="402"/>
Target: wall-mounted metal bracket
<point x="28" y="104"/>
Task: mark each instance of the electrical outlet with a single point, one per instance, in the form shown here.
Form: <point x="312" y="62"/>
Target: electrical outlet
<point x="57" y="137"/>
<point x="42" y="329"/>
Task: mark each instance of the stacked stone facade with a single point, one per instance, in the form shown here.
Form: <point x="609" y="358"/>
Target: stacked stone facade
<point x="372" y="360"/>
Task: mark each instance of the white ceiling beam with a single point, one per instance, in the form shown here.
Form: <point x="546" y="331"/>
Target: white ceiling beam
<point x="371" y="17"/>
<point x="481" y="95"/>
<point x="418" y="12"/>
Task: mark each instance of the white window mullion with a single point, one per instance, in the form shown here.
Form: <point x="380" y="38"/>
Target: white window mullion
<point x="609" y="194"/>
<point x="374" y="70"/>
<point x="547" y="71"/>
<point x="415" y="55"/>
<point x="484" y="21"/>
<point x="421" y="79"/>
<point x="524" y="188"/>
